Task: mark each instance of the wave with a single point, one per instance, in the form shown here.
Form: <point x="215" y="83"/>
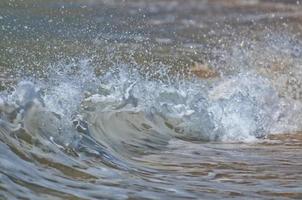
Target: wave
<point x="123" y="108"/>
<point x="75" y="127"/>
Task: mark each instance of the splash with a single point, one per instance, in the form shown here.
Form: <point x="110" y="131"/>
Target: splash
<point x="122" y="104"/>
<point x="128" y="123"/>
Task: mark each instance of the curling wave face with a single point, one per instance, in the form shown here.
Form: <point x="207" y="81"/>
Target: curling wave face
<point x="82" y="124"/>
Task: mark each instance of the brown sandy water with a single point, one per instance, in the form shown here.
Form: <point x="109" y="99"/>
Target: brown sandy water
<point x="150" y="99"/>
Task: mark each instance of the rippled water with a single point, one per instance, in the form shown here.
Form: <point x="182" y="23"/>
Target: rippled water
<point x="150" y="99"/>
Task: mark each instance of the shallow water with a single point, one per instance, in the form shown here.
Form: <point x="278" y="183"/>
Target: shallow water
<point x="150" y="99"/>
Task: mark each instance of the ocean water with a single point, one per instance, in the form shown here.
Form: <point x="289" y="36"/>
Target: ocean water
<point x="150" y="99"/>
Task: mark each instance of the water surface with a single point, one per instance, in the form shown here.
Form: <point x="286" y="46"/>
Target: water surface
<point x="150" y="99"/>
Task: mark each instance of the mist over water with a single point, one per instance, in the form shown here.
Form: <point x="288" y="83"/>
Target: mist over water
<point x="150" y="100"/>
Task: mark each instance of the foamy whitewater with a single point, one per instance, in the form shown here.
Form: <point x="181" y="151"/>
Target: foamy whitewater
<point x="240" y="107"/>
